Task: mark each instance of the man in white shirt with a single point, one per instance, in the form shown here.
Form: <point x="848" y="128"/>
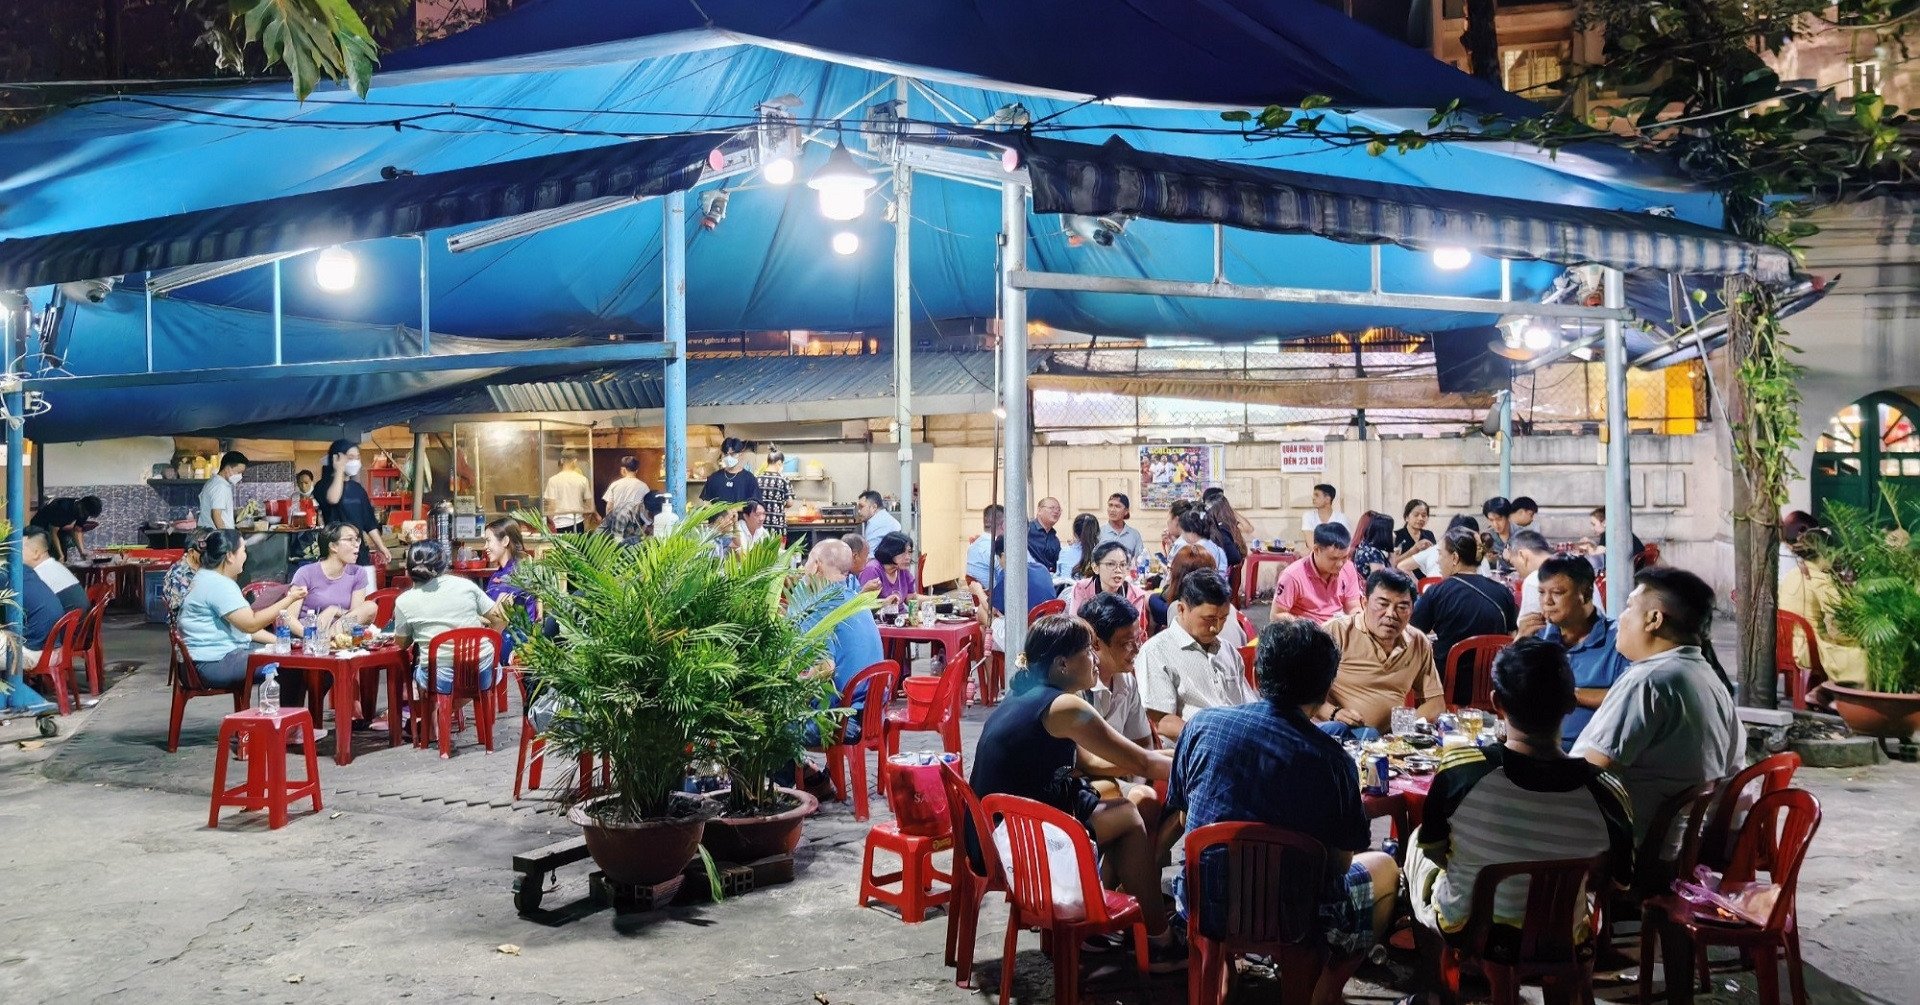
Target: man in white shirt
<point x="628" y="489"/>
<point x="568" y="495"/>
<point x="1322" y="512"/>
<point x="1186" y="667"/>
<point x="1528" y="550"/>
<point x="1668" y="723"/>
<point x="980" y="561"/>
<point x="871" y="508"/>
<point x="1119" y="510"/>
<point x="216" y="496"/>
<point x="34" y="544"/>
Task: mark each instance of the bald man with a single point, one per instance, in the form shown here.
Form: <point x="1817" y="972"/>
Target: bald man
<point x="855" y="643"/>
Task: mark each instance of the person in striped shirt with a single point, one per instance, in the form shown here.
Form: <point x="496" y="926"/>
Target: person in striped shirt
<point x="1522" y="801"/>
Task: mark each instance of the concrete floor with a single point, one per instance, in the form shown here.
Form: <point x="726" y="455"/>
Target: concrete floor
<point x="399" y="890"/>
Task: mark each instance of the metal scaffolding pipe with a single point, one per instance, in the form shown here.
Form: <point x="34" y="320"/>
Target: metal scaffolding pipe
<point x="419" y="483"/>
<point x="1506" y="444"/>
<point x="1013" y="355"/>
<point x="1619" y="472"/>
<point x="903" y="328"/>
<point x="673" y="298"/>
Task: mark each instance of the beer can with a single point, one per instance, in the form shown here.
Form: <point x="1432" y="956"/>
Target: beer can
<point x="1375" y="783"/>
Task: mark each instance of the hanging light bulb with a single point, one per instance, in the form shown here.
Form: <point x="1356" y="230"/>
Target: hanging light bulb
<point x="1537" y="336"/>
<point x="335" y="269"/>
<point x="1451" y="259"/>
<point x="846" y="242"/>
<point x="842" y="185"/>
<point x="778" y="171"/>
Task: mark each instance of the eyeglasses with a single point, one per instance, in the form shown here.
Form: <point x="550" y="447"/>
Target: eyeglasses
<point x="1111" y="565"/>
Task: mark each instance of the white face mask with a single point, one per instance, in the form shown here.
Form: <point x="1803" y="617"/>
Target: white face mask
<point x="234" y="478"/>
<point x="352" y="467"/>
<point x="730" y="460"/>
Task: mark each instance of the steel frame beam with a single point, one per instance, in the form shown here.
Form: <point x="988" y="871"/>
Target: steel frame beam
<point x="576" y="356"/>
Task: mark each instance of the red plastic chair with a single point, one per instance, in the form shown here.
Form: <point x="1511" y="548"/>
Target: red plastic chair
<point x="1653" y="869"/>
<point x="1477" y="654"/>
<point x="1789" y="628"/>
<point x="1717" y="835"/>
<point x="1247" y="630"/>
<point x="263" y="593"/>
<point x="1775" y="839"/>
<point x="57" y="658"/>
<point x="1427" y="582"/>
<point x="383" y="606"/>
<point x="89" y="652"/>
<point x="1030" y="904"/>
<point x="970" y="888"/>
<point x="1273" y="881"/>
<point x="1248" y="654"/>
<point x="187" y="684"/>
<point x="882" y="682"/>
<point x="1558" y="893"/>
<point x="941" y="715"/>
<point x="467" y="645"/>
<point x="99" y="594"/>
<point x="1046" y="609"/>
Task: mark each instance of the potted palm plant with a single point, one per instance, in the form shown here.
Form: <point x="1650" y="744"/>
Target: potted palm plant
<point x="648" y="652"/>
<point x="782" y="684"/>
<point x="1876" y="574"/>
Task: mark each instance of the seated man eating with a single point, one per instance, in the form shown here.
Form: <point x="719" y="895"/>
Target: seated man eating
<point x="1187" y="667"/>
<point x="1382" y="659"/>
<point x="1266" y="762"/>
<point x="1522" y="801"/>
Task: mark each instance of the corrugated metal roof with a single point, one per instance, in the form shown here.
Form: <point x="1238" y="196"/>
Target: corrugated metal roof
<point x="739" y="381"/>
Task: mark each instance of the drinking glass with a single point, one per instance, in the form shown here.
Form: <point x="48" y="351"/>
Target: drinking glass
<point x="1472" y="721"/>
<point x="1403" y="720"/>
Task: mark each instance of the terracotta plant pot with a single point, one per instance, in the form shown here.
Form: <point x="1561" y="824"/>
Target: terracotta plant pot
<point x="749" y="839"/>
<point x="644" y="853"/>
<point x="1876" y="713"/>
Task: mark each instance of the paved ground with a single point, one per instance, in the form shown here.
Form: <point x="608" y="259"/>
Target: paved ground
<point x="116" y="889"/>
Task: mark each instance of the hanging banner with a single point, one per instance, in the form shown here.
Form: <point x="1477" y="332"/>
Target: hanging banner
<point x="1303" y="458"/>
<point x="1176" y="471"/>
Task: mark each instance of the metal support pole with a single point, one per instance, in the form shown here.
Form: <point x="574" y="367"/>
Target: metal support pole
<point x="1360" y="374"/>
<point x="426" y="300"/>
<point x="1013" y="354"/>
<point x="16" y="472"/>
<point x="1219" y="254"/>
<point x="1619" y="494"/>
<point x="673" y="297"/>
<point x="278" y="317"/>
<point x="903" y="329"/>
<point x="149" y="293"/>
<point x="1506" y="444"/>
<point x="419" y="483"/>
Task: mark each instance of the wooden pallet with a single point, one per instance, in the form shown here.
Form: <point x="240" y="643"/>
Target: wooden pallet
<point x="690" y="887"/>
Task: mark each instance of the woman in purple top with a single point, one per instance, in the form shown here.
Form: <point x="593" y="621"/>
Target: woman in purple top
<point x="891" y="571"/>
<point x="335" y="585"/>
<point x="505" y="549"/>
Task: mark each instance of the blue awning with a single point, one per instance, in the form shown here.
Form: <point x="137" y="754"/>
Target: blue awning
<point x="1116" y="178"/>
<point x="408" y="203"/>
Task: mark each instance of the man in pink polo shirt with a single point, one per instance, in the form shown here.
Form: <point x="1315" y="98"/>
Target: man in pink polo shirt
<point x="1323" y="587"/>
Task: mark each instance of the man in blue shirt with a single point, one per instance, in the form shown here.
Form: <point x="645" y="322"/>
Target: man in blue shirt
<point x="855" y="643"/>
<point x="872" y="509"/>
<point x="1266" y="762"/>
<point x="1584" y="631"/>
<point x="1040" y="587"/>
<point x="980" y="559"/>
<point x="42" y="610"/>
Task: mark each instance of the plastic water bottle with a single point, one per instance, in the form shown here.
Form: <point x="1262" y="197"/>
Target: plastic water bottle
<point x="282" y="639"/>
<point x="270" y="689"/>
<point x="309" y="632"/>
<point x="663" y="522"/>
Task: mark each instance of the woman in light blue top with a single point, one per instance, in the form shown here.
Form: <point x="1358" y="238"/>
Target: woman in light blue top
<point x="215" y="619"/>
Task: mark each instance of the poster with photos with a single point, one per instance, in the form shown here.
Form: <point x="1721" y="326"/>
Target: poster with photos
<point x="1176" y="471"/>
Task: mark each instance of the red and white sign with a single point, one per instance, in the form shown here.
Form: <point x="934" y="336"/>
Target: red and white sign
<point x="1303" y="458"/>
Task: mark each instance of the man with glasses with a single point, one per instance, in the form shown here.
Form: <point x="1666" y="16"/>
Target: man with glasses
<point x="1383" y="658"/>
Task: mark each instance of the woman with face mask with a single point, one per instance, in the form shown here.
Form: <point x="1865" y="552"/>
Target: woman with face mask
<point x="733" y="482"/>
<point x="343" y="499"/>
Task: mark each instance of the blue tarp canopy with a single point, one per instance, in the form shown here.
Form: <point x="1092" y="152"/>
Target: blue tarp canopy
<point x="564" y="76"/>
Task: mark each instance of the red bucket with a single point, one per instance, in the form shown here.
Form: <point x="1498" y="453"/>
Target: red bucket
<point x="917" y="796"/>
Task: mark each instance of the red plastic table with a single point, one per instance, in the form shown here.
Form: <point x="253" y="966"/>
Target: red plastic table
<point x="948" y="635"/>
<point x="346" y="687"/>
<point x="1250" y="570"/>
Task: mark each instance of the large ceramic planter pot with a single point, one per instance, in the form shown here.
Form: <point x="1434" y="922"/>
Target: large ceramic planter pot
<point x="646" y="853"/>
<point x="1876" y="713"/>
<point x="749" y="839"/>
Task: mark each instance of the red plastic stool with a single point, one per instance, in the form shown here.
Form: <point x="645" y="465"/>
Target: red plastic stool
<point x="915" y="893"/>
<point x="265" y="739"/>
<point x="533" y="755"/>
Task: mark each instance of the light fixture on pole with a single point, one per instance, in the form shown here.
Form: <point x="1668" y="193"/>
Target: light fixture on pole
<point x="777" y="139"/>
<point x="842" y="185"/>
<point x="335" y="269"/>
<point x="1451" y="258"/>
<point x="846" y="242"/>
<point x="1537" y="335"/>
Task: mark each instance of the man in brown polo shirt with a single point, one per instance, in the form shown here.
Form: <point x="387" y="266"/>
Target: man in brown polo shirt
<point x="1382" y="658"/>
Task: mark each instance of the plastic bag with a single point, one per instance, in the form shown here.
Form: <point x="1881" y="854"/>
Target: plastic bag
<point x="917" y="796"/>
<point x="1063" y="870"/>
<point x="1735" y="903"/>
